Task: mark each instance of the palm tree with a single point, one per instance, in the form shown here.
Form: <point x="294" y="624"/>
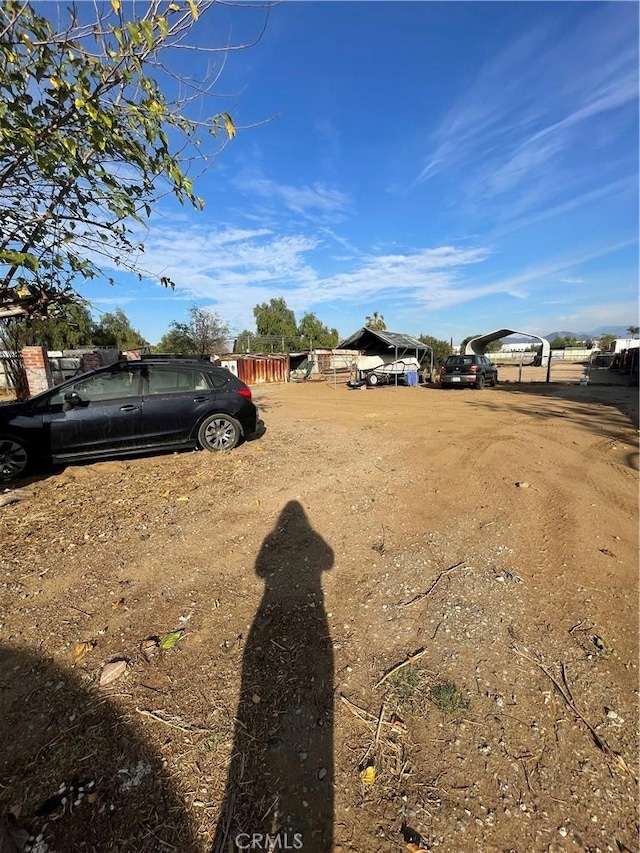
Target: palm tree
<point x="376" y="322"/>
<point x="633" y="330"/>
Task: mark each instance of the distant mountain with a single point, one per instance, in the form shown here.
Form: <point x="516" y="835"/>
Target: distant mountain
<point x="579" y="336"/>
<point x="618" y="331"/>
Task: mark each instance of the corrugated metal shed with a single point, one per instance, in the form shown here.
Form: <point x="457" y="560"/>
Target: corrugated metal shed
<point x="370" y="340"/>
<point x="257" y="369"/>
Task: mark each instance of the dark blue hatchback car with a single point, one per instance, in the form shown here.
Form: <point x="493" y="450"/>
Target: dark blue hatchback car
<point x="124" y="409"/>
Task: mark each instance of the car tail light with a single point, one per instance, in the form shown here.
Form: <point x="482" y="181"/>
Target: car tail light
<point x="443" y="369"/>
<point x="244" y="392"/>
<point x="474" y="368"/>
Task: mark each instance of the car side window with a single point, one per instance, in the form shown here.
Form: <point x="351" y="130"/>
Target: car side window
<point x="218" y="380"/>
<point x="175" y="380"/>
<point x="112" y="385"/>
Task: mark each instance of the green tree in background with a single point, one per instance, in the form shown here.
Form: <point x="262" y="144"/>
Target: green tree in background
<point x="375" y="322"/>
<point x="204" y="334"/>
<point x="633" y="331"/>
<point x="88" y="139"/>
<point x="115" y="330"/>
<point x="441" y="349"/>
<point x="563" y="343"/>
<point x="312" y="329"/>
<point x="275" y="318"/>
<point x="606" y="341"/>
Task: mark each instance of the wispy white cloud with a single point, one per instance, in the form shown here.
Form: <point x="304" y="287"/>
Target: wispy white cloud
<point x="622" y="187"/>
<point x="571" y="279"/>
<point x="236" y="270"/>
<point x="525" y="130"/>
<point x="316" y="202"/>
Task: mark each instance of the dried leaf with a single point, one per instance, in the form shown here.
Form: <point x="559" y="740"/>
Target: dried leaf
<point x="607" y="552"/>
<point x="622" y="764"/>
<point x="182" y="499"/>
<point x="166" y="494"/>
<point x="413" y="848"/>
<point x="112" y="672"/>
<point x="82" y="649"/>
<point x="168" y="641"/>
<point x="117" y="605"/>
<point x="368" y="775"/>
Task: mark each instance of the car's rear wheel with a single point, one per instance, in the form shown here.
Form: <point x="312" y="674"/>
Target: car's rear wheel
<point x="219" y="432"/>
<point x="372" y="380"/>
<point x="480" y="382"/>
<point x="14" y="458"/>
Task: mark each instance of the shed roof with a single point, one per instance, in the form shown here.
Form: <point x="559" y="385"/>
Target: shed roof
<point x="367" y="339"/>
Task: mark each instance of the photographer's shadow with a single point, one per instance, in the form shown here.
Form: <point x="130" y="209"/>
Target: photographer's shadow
<point x="280" y="779"/>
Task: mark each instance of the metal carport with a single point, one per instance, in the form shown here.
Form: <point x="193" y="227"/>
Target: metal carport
<point x="373" y="342"/>
<point x="478" y="346"/>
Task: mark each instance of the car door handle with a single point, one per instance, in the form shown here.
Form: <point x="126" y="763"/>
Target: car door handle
<point x="129" y="408"/>
<point x="199" y="399"/>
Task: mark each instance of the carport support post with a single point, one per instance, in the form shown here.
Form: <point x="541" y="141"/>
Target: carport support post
<point x="548" y="379"/>
<point x="520" y="371"/>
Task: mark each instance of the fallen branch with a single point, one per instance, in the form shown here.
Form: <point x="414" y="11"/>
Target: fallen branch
<point x="157" y="716"/>
<point x="369" y="719"/>
<point x="411" y="659"/>
<point x="433" y="585"/>
<point x="14" y="497"/>
<point x="380" y="721"/>
<point x="568" y="700"/>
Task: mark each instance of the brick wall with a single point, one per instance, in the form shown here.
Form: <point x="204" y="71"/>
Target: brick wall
<point x="38" y="369"/>
<point x="90" y="361"/>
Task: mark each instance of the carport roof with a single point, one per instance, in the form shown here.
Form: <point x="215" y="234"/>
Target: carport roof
<point x="366" y="338"/>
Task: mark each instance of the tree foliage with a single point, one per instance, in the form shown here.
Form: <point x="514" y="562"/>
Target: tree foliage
<point x="563" y="343"/>
<point x="315" y="333"/>
<point x="375" y="322"/>
<point x="115" y="330"/>
<point x="89" y="140"/>
<point x="278" y="329"/>
<point x="606" y="341"/>
<point x="204" y="334"/>
<point x="275" y="318"/>
<point x="633" y="331"/>
<point x="441" y="349"/>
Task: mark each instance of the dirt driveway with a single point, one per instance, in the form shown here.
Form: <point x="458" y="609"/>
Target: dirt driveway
<point x="484" y="540"/>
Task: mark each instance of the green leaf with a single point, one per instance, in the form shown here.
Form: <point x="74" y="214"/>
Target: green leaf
<point x="19" y="259"/>
<point x="168" y="641"/>
<point x="147" y="31"/>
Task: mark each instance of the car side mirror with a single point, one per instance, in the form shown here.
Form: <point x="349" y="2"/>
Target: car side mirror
<point x="72" y="398"/>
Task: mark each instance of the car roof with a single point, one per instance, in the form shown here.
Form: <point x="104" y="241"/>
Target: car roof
<point x="177" y="362"/>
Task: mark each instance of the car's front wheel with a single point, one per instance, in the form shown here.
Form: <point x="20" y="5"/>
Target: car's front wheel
<point x="372" y="380"/>
<point x="219" y="432"/>
<point x="14" y="458"/>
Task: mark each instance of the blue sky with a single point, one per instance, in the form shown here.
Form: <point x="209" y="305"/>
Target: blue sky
<point x="457" y="167"/>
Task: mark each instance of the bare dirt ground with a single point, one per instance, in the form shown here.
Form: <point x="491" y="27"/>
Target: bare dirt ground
<point x="364" y="530"/>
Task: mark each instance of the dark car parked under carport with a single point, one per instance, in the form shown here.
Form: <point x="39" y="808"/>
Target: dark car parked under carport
<point x="124" y="409"/>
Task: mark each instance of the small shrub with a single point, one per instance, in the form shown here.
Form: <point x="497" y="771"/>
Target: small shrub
<point x="404" y="685"/>
<point x="446" y="696"/>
